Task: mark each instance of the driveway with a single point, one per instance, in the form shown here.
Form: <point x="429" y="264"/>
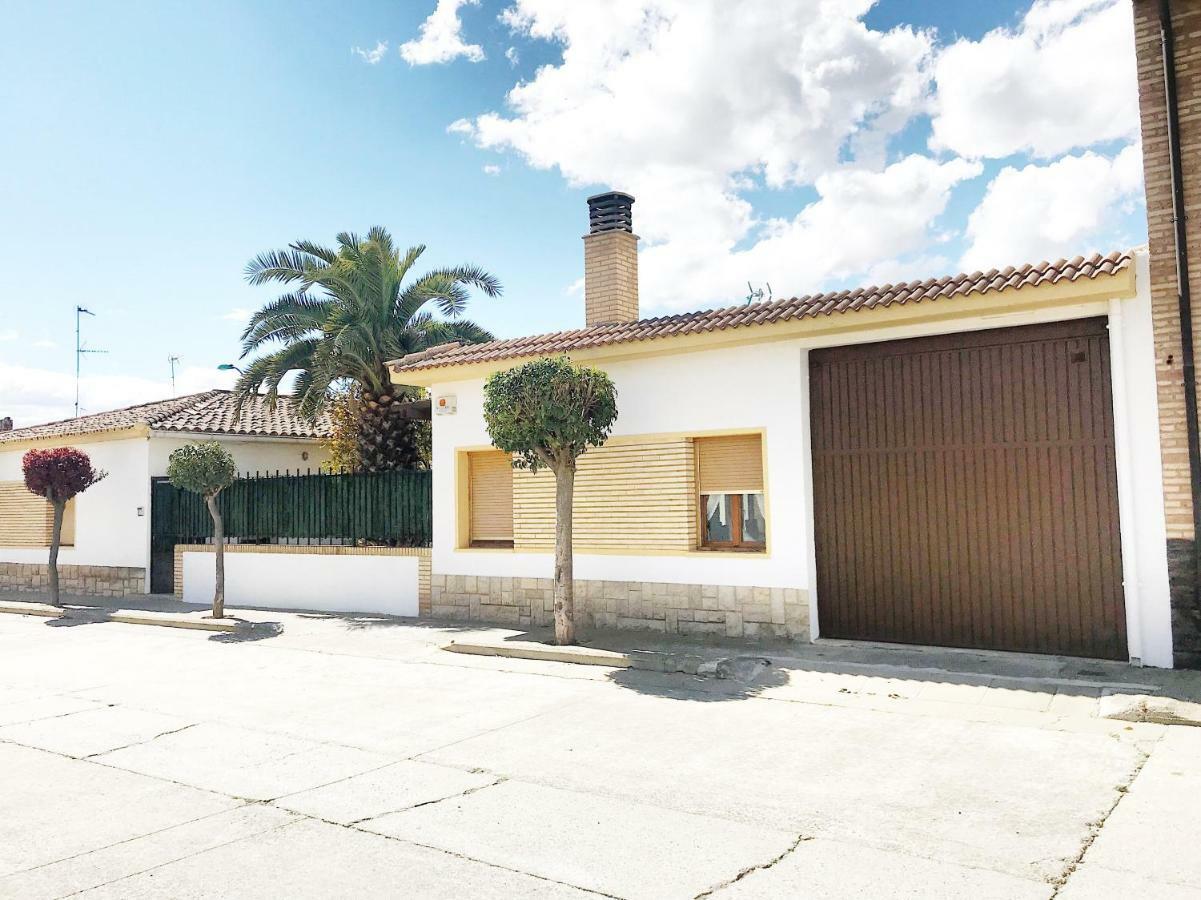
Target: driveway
<point x="354" y="758"/>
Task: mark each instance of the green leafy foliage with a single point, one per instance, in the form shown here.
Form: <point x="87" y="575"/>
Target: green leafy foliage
<point x="204" y="468"/>
<point x="549" y="411"/>
<point x="347" y="312"/>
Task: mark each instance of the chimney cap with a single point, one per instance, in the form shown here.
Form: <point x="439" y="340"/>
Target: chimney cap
<point x="610" y="211"/>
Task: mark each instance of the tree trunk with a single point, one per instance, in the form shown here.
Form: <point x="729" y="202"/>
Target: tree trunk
<point x="386" y="441"/>
<point x="56" y="536"/>
<point x="564" y="573"/>
<point x="219" y="553"/>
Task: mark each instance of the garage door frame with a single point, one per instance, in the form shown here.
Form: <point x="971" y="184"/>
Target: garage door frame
<point x="1148" y="615"/>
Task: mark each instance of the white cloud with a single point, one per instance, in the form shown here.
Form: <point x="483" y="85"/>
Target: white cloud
<point x="491" y="169"/>
<point x="1058" y="210"/>
<point x="374" y="55"/>
<point x="441" y="37"/>
<point x="862" y="216"/>
<point x="238" y="314"/>
<point x="914" y="268"/>
<point x="45" y="345"/>
<point x="512" y="56"/>
<point x="33" y="395"/>
<point x="685" y="103"/>
<point x="1064" y="78"/>
<point x="8" y="334"/>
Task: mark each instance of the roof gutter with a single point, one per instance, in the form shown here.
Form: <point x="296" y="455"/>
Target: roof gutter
<point x="1167" y="39"/>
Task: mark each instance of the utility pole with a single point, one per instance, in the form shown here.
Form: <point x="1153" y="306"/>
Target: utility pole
<point x="80" y="350"/>
<point x="172" y="360"/>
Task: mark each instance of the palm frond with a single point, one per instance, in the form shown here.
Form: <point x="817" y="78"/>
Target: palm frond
<point x="283" y="266"/>
<point x="287" y="318"/>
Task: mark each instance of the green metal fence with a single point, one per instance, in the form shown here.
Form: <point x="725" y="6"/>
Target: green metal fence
<point x="389" y="508"/>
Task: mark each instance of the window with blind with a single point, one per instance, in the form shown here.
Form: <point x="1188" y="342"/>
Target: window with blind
<point x="490" y="499"/>
<point x="26" y="520"/>
<point x="730" y="484"/>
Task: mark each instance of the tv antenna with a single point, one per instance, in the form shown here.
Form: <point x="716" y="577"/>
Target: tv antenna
<point x="754" y="295"/>
<point x="172" y="361"/>
<point x="80" y="350"/>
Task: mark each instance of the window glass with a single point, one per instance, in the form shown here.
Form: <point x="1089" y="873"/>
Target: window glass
<point x="754" y="525"/>
<point x="719" y="517"/>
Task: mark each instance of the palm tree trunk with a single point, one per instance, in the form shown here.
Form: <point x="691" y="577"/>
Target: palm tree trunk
<point x="564" y="569"/>
<point x="386" y="440"/>
<point x="219" y="553"/>
<point x="56" y="536"/>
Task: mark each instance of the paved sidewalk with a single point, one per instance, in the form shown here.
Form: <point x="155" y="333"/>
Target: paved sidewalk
<point x="333" y="756"/>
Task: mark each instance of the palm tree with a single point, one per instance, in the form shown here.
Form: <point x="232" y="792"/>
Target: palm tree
<point x="350" y="313"/>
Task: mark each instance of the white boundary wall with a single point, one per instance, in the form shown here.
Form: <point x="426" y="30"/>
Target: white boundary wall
<point x="362" y="584"/>
<point x="766" y="386"/>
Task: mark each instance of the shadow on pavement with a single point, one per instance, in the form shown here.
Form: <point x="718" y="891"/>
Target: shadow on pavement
<point x="72" y="617"/>
<point x="249" y="632"/>
<point x="734" y="678"/>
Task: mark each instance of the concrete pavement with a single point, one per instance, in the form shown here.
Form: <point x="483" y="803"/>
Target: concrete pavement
<point x="352" y="757"/>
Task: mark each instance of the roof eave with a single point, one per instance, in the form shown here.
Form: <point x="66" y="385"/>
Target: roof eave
<point x="131" y="432"/>
<point x="1117" y="285"/>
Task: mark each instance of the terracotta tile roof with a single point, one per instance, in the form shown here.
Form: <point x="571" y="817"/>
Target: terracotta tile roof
<point x="209" y="412"/>
<point x="741" y="316"/>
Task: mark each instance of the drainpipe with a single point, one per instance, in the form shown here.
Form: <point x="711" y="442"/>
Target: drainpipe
<point x="1167" y="39"/>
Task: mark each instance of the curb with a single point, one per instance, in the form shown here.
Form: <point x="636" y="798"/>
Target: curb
<point x="644" y="660"/>
<point x="123" y="616"/>
<point x="585" y="656"/>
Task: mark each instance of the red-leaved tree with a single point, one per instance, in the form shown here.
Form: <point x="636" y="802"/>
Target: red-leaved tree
<point x="58" y="475"/>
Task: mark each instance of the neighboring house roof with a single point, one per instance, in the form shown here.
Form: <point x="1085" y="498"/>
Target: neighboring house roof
<point x="209" y="412"/>
<point x="770" y="312"/>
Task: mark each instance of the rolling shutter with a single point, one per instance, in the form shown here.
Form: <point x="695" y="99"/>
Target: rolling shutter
<point x="730" y="464"/>
<point x="26" y="520"/>
<point x="491" y="496"/>
<point x="67" y="536"/>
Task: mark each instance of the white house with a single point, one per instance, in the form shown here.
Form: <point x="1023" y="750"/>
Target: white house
<point x="969" y="461"/>
<point x="107" y="529"/>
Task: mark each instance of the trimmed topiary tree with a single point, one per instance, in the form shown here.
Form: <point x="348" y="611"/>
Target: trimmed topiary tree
<point x="548" y="413"/>
<point x="58" y="475"/>
<point x="206" y="468"/>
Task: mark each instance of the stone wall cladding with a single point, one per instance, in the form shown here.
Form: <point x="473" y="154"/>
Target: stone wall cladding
<point x="95" y="581"/>
<point x="1186" y="636"/>
<point x="422" y="554"/>
<point x="684" y="609"/>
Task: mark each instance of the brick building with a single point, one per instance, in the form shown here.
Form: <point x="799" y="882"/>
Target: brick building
<point x="1176" y="25"/>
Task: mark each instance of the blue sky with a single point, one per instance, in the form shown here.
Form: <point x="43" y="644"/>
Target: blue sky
<point x="152" y="148"/>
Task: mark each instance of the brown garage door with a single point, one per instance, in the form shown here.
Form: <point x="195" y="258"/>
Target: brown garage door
<point x="965" y="491"/>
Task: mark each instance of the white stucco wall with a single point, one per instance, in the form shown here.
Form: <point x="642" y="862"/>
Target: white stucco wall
<point x="690" y="393"/>
<point x="363" y="584"/>
<point x="766" y="386"/>
<point x="108" y="529"/>
<point x="251" y="455"/>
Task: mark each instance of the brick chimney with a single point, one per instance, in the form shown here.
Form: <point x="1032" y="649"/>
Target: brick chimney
<point x="610" y="260"/>
<point x="6" y="424"/>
